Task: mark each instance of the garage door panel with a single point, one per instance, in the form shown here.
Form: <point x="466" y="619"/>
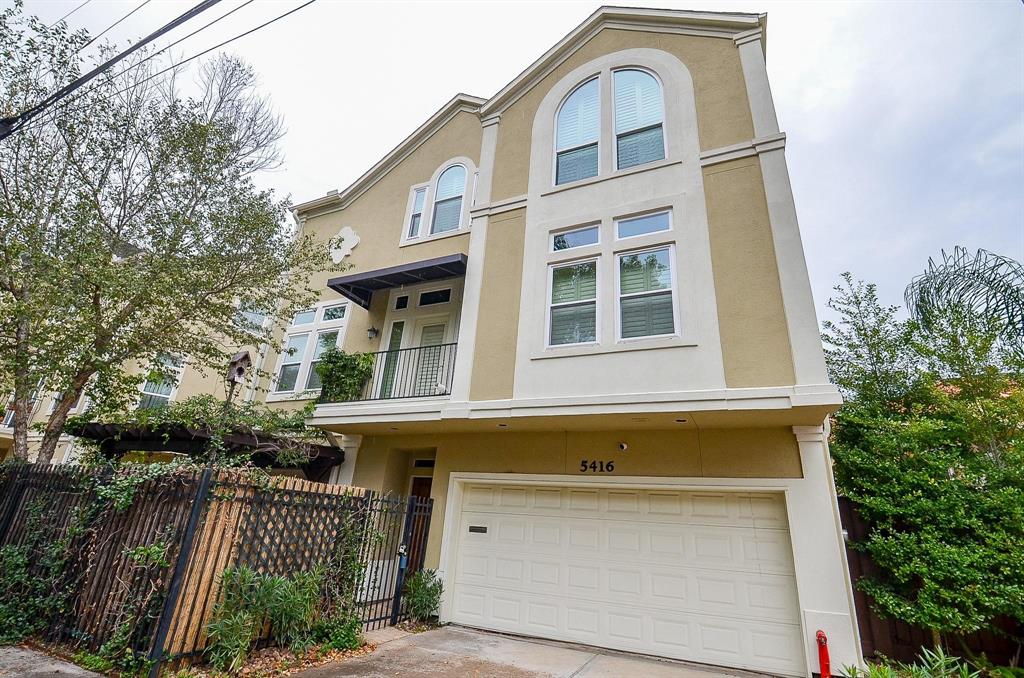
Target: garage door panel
<point x="706" y="576"/>
<point x="734" y="548"/>
<point x="728" y="641"/>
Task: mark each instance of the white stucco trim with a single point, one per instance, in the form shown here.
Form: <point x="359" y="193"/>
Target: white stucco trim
<point x="822" y="581"/>
<point x="742" y="150"/>
<point x="427" y="216"/>
<point x="759" y="93"/>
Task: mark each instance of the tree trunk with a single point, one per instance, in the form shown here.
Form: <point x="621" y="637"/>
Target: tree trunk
<point x="22" y="413"/>
<point x="23" y="391"/>
<point x="59" y="417"/>
<point x="936" y="639"/>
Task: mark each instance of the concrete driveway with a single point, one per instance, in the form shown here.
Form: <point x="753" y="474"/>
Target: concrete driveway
<point x="456" y="652"/>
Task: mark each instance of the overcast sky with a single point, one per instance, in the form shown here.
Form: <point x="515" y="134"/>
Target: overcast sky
<point x="905" y="120"/>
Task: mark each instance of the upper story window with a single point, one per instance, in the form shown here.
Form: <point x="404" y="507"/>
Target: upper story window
<point x="159" y="386"/>
<point x="451" y="186"/>
<point x="639" y="137"/>
<point x="419" y="197"/>
<point x="311" y="332"/>
<point x="577" y="134"/>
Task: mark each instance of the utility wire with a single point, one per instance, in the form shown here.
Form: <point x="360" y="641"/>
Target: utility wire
<point x="11" y="124"/>
<point x="196" y="56"/>
<point x="104" y="31"/>
<point x="69" y="13"/>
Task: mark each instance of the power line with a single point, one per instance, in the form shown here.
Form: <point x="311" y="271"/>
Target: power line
<point x="195" y="56"/>
<point x="11" y="124"/>
<point x="104" y="31"/>
<point x="69" y="13"/>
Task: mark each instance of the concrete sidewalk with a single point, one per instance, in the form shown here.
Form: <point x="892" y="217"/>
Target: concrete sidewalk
<point x="25" y="663"/>
<point x="456" y="652"/>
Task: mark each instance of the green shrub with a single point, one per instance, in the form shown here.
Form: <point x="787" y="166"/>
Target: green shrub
<point x="930" y="664"/>
<point x="231" y="637"/>
<point x="344" y="632"/>
<point x="423" y="595"/>
<point x="343" y="375"/>
<point x="291" y="607"/>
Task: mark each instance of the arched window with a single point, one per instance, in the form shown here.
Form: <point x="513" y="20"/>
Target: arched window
<point x="451" y="186"/>
<point x="578" y="128"/>
<point x="639" y="113"/>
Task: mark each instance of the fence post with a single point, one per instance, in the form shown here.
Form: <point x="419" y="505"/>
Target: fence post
<point x="156" y="653"/>
<point x="16" y="490"/>
<point x="403" y="561"/>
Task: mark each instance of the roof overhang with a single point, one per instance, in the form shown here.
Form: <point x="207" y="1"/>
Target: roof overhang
<point x="359" y="287"/>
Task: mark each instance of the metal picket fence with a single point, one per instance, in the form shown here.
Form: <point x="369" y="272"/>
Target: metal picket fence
<point x="156" y="563"/>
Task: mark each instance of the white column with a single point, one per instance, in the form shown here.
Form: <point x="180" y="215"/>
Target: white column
<point x="342" y="475"/>
<point x="474" y="268"/>
<point x="759" y="93"/>
<point x="823" y="578"/>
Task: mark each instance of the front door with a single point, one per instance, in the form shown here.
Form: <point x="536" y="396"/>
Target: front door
<point x="429" y="363"/>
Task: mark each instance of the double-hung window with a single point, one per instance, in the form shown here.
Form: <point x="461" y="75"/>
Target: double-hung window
<point x="639" y="137"/>
<point x="645" y="294"/>
<point x="324" y="341"/>
<point x="573" y="308"/>
<point x="312" y="332"/>
<point x="160" y="383"/>
<point x="291" y="362"/>
<point x="418" y="198"/>
<point x="451" y="186"/>
<point x="577" y="131"/>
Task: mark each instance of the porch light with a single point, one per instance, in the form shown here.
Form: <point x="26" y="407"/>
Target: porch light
<point x="372" y="333"/>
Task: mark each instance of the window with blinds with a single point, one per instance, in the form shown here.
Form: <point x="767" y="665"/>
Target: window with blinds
<point x="577" y="130"/>
<point x="573" y="308"/>
<point x="451" y="186"/>
<point x="417" y="212"/>
<point x="646" y="308"/>
<point x="639" y="134"/>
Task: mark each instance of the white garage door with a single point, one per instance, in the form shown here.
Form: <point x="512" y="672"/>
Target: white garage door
<point x="702" y="576"/>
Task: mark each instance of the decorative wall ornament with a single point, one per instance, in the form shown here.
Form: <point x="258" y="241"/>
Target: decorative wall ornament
<point x="348" y="241"/>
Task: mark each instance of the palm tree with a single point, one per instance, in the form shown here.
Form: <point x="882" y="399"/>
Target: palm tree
<point x="985" y="283"/>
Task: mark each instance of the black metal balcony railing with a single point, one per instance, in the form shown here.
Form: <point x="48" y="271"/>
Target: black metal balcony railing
<point x="418" y="372"/>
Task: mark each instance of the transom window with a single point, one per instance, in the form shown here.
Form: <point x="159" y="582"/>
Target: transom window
<point x="634" y="126"/>
<point x="577" y="132"/>
<point x="573" y="308"/>
<point x="436" y="297"/>
<point x="642" y="225"/>
<point x="578" y="237"/>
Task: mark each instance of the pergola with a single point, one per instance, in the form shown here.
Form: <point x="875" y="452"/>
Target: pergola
<point x="117" y="439"/>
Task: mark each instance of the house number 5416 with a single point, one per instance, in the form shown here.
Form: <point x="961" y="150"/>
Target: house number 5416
<point x="595" y="466"/>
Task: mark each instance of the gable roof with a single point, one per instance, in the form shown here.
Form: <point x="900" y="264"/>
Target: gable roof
<point x="715" y="24"/>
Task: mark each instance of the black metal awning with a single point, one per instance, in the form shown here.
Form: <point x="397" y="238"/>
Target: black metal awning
<point x="359" y="287"/>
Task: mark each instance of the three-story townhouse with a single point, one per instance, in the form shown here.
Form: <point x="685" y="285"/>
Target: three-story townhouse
<point x="595" y="348"/>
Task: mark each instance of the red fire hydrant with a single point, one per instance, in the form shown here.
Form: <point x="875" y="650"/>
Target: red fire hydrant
<point x="823" y="662"/>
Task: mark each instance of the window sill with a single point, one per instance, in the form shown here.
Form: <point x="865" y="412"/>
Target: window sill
<point x="620" y="346"/>
<point x="281" y="396"/>
<point x="431" y="238"/>
<point x="614" y="175"/>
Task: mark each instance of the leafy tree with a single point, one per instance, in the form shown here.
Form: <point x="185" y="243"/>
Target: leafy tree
<point x="930" y="448"/>
<point x="130" y="226"/>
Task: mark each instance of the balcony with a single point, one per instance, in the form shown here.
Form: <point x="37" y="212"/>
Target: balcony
<point x="420" y="372"/>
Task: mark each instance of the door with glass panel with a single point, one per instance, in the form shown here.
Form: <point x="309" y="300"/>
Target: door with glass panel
<point x="392" y="357"/>
<point x="430" y="368"/>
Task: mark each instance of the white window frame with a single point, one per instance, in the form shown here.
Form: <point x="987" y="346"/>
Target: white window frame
<point x="600" y="130"/>
<point x="617" y="220"/>
<point x="597" y="301"/>
<point x="313" y="330"/>
<point x="564" y="231"/>
<point x="180" y="372"/>
<point x="462" y="199"/>
<point x="426" y="227"/>
<point x="673" y="272"/>
<point x="615" y="136"/>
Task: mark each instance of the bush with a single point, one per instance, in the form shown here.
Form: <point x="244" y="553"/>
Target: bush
<point x="931" y="664"/>
<point x="231" y="637"/>
<point x="344" y="632"/>
<point x="423" y="595"/>
<point x="343" y="375"/>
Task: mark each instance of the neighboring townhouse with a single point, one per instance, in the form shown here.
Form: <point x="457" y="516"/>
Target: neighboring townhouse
<point x="595" y="347"/>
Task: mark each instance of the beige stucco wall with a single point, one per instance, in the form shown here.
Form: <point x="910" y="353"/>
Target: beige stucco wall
<point x="494" y="360"/>
<point x="723" y="112"/>
<point x="751" y="317"/>
<point x="383" y="462"/>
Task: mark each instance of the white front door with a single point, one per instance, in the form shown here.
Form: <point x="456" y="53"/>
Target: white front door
<point x="430" y="363"/>
<point x="704" y="576"/>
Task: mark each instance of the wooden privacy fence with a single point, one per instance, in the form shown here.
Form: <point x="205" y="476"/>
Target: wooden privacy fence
<point x="896" y="639"/>
<point x="150" y="570"/>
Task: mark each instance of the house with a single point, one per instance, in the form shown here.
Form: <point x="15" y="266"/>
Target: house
<point x="594" y="345"/>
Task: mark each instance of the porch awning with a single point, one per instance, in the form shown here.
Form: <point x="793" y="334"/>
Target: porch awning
<point x="359" y="287"/>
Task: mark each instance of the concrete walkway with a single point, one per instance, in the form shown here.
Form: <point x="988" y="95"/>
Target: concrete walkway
<point x="456" y="652"/>
<point x="25" y="663"/>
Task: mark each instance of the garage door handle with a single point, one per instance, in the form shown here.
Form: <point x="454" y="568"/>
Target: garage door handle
<point x="478" y="529"/>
